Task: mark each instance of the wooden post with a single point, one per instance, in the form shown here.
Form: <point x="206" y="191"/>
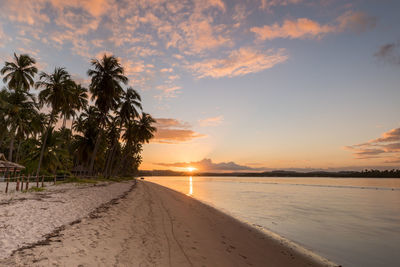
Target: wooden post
<point x="22" y="182"/>
<point x="27" y="183"/>
<point x="37" y="181"/>
<point x="55" y="178"/>
<point x="8" y="180"/>
<point x="42" y="180"/>
<point x="17" y="183"/>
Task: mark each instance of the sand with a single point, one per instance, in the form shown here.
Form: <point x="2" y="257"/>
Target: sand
<point x="155" y="226"/>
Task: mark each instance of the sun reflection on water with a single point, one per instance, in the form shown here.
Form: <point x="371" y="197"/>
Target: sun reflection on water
<point x="190" y="186"/>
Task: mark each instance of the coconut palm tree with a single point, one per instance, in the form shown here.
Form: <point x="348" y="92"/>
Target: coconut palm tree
<point x="137" y="133"/>
<point x="19" y="111"/>
<point x="146" y="129"/>
<point x="20" y="73"/>
<point x="54" y="94"/>
<point x="77" y="100"/>
<point x="128" y="111"/>
<point x="88" y="127"/>
<point x="52" y="158"/>
<point x="107" y="76"/>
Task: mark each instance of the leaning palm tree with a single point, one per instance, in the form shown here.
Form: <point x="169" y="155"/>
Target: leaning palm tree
<point x="19" y="74"/>
<point x="107" y="77"/>
<point x="54" y="95"/>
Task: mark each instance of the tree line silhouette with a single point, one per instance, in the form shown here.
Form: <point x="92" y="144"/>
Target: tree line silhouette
<point x="107" y="130"/>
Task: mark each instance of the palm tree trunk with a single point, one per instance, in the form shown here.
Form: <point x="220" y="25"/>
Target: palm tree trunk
<point x="107" y="161"/>
<point x="72" y="122"/>
<point x="110" y="161"/>
<point x="96" y="147"/>
<point x="42" y="150"/>
<point x="3" y="136"/>
<point x="17" y="155"/>
<point x="10" y="153"/>
<point x="64" y="121"/>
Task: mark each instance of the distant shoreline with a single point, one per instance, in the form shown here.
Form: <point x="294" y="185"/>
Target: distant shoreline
<point x="279" y="173"/>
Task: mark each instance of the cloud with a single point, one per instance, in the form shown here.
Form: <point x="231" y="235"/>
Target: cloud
<point x="172" y="131"/>
<point x="3" y="37"/>
<point x="390" y="136"/>
<point x="306" y="28"/>
<point x="206" y="165"/>
<point x="356" y="21"/>
<point x="212" y="121"/>
<point x="168" y="91"/>
<point x="386" y="147"/>
<point x="389" y="53"/>
<point x="300" y="28"/>
<point x="239" y="62"/>
<point x="267" y="4"/>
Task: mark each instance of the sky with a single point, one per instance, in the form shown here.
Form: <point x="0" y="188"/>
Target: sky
<point x="244" y="85"/>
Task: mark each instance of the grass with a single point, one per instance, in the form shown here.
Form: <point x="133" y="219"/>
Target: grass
<point x="77" y="180"/>
<point x="35" y="189"/>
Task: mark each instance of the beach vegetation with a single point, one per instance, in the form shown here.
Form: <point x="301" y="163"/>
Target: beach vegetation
<point x="107" y="131"/>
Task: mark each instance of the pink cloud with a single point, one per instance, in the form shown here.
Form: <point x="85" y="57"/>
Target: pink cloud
<point x="307" y="28"/>
<point x="212" y="121"/>
<point x="300" y="28"/>
<point x="172" y="131"/>
<point x="385" y="147"/>
<point x="239" y="62"/>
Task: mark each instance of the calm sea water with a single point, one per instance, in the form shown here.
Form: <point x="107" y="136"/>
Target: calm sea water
<point x="353" y="222"/>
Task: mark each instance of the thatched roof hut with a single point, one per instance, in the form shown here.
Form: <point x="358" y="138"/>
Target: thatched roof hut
<point x="6" y="165"/>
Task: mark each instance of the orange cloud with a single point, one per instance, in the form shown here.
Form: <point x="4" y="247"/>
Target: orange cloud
<point x="386" y="147"/>
<point x="213" y="121"/>
<point x="300" y="28"/>
<point x="172" y="131"/>
<point x="307" y="28"/>
<point x="356" y="21"/>
<point x="168" y="91"/>
<point x="239" y="62"/>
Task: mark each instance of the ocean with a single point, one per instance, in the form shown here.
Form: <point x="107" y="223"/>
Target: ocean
<point x="351" y="221"/>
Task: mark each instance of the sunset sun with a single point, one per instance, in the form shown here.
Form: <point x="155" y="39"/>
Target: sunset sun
<point x="190" y="169"/>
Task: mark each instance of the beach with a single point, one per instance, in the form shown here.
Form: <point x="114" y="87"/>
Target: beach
<point x="150" y="225"/>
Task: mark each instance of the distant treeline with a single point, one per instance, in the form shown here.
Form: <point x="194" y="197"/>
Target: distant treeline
<point x="356" y="174"/>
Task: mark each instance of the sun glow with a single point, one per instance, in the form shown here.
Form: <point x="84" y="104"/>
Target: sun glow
<point x="190" y="169"/>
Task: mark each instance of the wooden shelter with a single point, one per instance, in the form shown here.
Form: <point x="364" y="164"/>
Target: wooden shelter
<point x="8" y="166"/>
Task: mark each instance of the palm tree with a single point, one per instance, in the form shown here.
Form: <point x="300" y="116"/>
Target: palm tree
<point x="20" y="73"/>
<point x="54" y="94"/>
<point x="129" y="111"/>
<point x="137" y="133"/>
<point x="19" y="111"/>
<point x="130" y="105"/>
<point x="83" y="144"/>
<point x="77" y="100"/>
<point x="52" y="158"/>
<point x="146" y="129"/>
<point x="80" y="99"/>
<point x="107" y="76"/>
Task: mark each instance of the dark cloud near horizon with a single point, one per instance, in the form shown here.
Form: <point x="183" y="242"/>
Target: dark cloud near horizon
<point x="207" y="165"/>
<point x="389" y="53"/>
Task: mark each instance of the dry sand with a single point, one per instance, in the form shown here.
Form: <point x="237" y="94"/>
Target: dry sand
<point x="155" y="226"/>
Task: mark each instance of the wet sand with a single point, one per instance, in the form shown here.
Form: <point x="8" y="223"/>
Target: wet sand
<point x="156" y="226"/>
